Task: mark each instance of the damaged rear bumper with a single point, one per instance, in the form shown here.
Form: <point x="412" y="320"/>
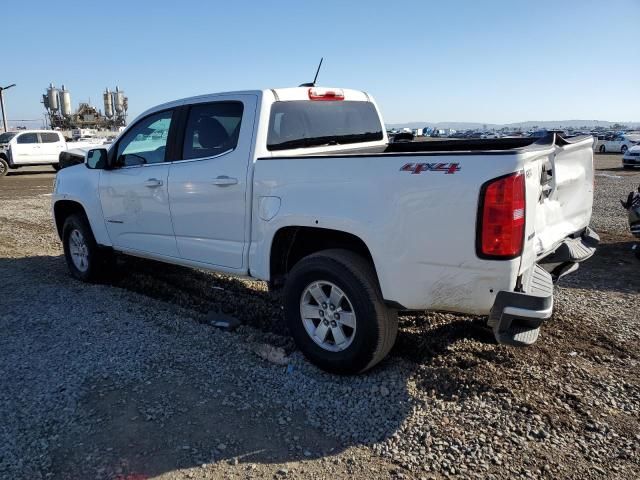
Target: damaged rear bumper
<point x="516" y="316"/>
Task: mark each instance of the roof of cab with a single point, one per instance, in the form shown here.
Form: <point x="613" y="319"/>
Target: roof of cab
<point x="280" y="94"/>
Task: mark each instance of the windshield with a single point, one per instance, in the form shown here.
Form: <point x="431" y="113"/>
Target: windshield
<point x="6" y="137"/>
<point x="303" y="123"/>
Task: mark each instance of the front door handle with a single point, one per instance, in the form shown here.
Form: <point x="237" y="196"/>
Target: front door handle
<point x="153" y="183"/>
<point x="224" y="181"/>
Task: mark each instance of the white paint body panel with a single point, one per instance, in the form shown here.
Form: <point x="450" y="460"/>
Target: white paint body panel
<point x="420" y="229"/>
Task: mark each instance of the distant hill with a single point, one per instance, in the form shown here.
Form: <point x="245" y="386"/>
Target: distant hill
<point x="523" y="125"/>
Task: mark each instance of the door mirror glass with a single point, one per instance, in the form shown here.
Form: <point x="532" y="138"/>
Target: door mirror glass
<point x="97" y="158"/>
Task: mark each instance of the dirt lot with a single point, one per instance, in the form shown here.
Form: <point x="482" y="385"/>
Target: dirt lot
<point x="129" y="381"/>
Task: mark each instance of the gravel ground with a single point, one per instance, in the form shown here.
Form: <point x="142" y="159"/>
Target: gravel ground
<point x="129" y="381"/>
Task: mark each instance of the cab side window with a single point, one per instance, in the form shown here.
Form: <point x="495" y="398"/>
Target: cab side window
<point x="212" y="129"/>
<point x="146" y="141"/>
<point x="28" y="138"/>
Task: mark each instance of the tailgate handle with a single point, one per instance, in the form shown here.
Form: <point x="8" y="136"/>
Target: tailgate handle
<point x="546" y="177"/>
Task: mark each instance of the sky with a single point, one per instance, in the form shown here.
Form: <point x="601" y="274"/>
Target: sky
<point x="438" y="61"/>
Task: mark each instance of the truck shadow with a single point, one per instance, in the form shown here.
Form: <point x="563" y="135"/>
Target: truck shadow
<point x="190" y="403"/>
<point x="613" y="267"/>
<point x="18" y="173"/>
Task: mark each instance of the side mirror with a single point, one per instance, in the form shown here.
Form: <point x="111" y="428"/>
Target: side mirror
<point x="97" y="158"/>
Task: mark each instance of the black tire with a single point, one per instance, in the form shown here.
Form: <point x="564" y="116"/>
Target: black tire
<point x="4" y="167"/>
<point x="603" y="149"/>
<point x="98" y="259"/>
<point x="623" y="149"/>
<point x="628" y="167"/>
<point x="56" y="167"/>
<point x="376" y="325"/>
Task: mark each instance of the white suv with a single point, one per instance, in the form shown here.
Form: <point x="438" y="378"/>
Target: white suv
<point x="30" y="147"/>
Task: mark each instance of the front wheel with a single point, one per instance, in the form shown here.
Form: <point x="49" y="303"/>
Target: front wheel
<point x="85" y="259"/>
<point x="602" y="149"/>
<point x="623" y="150"/>
<point x="336" y="314"/>
<point x="56" y="167"/>
<point x="4" y="167"/>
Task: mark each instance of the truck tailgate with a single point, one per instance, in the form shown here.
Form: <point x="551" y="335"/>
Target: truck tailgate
<point x="559" y="195"/>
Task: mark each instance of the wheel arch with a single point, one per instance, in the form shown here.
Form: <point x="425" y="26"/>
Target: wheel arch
<point x="62" y="209"/>
<point x="292" y="243"/>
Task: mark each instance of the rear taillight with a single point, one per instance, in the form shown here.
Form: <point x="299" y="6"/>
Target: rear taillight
<point x="501" y="217"/>
<point x="318" y="93"/>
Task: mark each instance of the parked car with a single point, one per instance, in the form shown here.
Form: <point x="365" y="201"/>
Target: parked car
<point x="403" y="137"/>
<point x="618" y="143"/>
<point x="300" y="187"/>
<point x="33" y="147"/>
<point x="631" y="158"/>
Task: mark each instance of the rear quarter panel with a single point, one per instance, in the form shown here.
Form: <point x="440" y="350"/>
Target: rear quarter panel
<point x="419" y="227"/>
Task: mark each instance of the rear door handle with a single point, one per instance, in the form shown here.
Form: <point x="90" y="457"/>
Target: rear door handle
<point x="224" y="181"/>
<point x="153" y="183"/>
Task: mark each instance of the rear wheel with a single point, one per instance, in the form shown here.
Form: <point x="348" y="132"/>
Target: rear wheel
<point x="602" y="149"/>
<point x="336" y="314"/>
<point x="4" y="167"/>
<point x="56" y="167"/>
<point x="624" y="149"/>
<point x="85" y="259"/>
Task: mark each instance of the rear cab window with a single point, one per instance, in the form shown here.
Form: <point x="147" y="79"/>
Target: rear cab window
<point x="306" y="123"/>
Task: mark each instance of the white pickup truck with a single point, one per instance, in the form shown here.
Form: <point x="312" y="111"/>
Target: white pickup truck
<point x="35" y="147"/>
<point x="299" y="187"/>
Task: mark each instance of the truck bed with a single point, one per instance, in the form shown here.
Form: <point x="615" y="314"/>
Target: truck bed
<point x="471" y="146"/>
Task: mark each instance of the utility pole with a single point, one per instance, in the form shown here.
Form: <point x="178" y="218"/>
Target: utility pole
<point x="4" y="115"/>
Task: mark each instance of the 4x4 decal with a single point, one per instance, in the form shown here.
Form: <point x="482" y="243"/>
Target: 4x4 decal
<point x="417" y="168"/>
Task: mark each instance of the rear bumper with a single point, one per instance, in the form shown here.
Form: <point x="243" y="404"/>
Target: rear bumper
<point x="516" y="316"/>
<point x="570" y="253"/>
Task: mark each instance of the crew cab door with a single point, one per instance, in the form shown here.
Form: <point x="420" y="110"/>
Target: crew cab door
<point x="51" y="144"/>
<point x="208" y="186"/>
<point x="25" y="149"/>
<point x="134" y="196"/>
